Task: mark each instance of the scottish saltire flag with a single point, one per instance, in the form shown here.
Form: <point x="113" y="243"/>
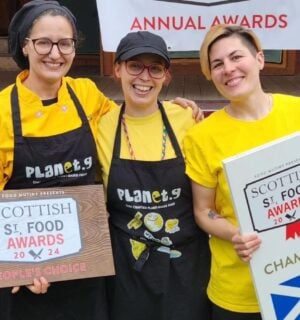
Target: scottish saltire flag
<point x="287" y="305"/>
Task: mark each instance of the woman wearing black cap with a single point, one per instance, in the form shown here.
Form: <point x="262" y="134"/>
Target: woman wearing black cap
<point x="45" y="119"/>
<point x="162" y="258"/>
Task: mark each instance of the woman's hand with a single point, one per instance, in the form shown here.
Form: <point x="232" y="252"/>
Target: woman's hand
<point x="245" y="245"/>
<point x="198" y="114"/>
<point x="39" y="286"/>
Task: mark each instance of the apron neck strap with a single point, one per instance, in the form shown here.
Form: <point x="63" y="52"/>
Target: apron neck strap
<point x="170" y="132"/>
<point x="15" y="108"/>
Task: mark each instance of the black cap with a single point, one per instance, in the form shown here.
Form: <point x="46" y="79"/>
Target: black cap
<point x="22" y="22"/>
<point x="135" y="43"/>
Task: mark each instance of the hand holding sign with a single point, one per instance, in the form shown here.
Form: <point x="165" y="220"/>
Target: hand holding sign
<point x="246" y="244"/>
<point x="40" y="285"/>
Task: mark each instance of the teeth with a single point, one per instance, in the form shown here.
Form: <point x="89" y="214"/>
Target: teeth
<point x="52" y="64"/>
<point x="233" y="82"/>
<point x="142" y="88"/>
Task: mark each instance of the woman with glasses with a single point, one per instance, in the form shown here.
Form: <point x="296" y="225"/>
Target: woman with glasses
<point x="161" y="257"/>
<point x="47" y="118"/>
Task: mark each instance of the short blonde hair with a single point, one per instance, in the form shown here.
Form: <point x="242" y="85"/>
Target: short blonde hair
<point x="223" y="31"/>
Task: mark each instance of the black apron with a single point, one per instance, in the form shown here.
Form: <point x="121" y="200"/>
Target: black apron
<point x="150" y="205"/>
<point x="34" y="160"/>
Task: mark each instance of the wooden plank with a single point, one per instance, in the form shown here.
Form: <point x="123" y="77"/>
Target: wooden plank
<point x="110" y="87"/>
<point x="192" y="87"/>
<point x="293" y="82"/>
<point x="59" y="233"/>
<point x="175" y="88"/>
<point x="188" y="86"/>
<point x="282" y="84"/>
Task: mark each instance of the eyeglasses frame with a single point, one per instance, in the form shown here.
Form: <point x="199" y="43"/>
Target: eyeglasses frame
<point x="146" y="67"/>
<point x="52" y="44"/>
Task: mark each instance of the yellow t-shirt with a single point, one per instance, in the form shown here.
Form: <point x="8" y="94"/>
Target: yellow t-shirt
<point x="42" y="121"/>
<point x="145" y="133"/>
<point x="206" y="145"/>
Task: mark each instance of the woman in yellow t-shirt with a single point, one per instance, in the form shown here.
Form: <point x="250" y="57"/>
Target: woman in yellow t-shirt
<point x="231" y="56"/>
<point x="161" y="257"/>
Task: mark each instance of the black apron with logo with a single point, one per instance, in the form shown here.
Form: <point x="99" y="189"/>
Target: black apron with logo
<point x="35" y="160"/>
<point x="162" y="258"/>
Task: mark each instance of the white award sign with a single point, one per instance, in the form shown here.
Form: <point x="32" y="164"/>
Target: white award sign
<point x="265" y="186"/>
<point x="39" y="230"/>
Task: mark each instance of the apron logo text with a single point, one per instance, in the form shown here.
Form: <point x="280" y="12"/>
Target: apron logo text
<point x="147" y="196"/>
<point x="58" y="169"/>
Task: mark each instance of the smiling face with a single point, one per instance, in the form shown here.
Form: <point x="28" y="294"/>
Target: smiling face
<point x="49" y="68"/>
<point x="235" y="68"/>
<point x="141" y="91"/>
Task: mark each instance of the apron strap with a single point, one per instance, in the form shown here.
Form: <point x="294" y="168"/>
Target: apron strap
<point x="117" y="144"/>
<point x="81" y="113"/>
<point x="15" y="110"/>
<point x="170" y="131"/>
<point x="171" y="134"/>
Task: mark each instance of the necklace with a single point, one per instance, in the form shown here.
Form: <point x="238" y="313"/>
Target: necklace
<point x="130" y="148"/>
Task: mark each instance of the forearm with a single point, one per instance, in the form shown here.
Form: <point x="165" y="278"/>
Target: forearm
<point x="214" y="224"/>
<point x="207" y="217"/>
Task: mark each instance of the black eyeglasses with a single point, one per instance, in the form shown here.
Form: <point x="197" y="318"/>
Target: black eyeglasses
<point x="155" y="70"/>
<point x="45" y="45"/>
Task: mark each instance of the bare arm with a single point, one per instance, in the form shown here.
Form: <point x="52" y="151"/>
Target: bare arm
<point x="206" y="216"/>
<point x="198" y="114"/>
<point x="210" y="221"/>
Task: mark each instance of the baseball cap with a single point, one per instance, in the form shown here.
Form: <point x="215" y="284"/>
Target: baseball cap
<point x="135" y="43"/>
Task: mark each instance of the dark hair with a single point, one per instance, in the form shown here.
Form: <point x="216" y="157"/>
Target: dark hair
<point x="23" y="21"/>
<point x="55" y="12"/>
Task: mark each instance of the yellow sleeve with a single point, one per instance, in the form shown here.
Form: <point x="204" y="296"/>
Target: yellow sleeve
<point x="6" y="137"/>
<point x="197" y="167"/>
<point x="94" y="102"/>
